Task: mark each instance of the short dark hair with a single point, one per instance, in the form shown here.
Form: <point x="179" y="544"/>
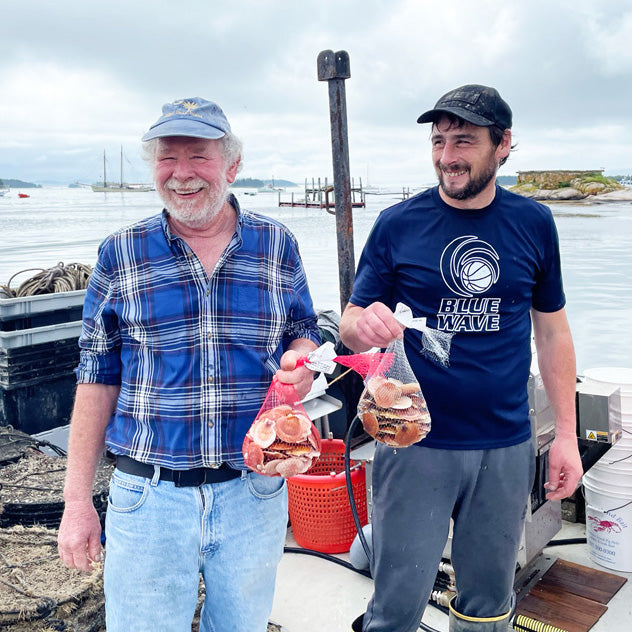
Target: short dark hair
<point x="496" y="133"/>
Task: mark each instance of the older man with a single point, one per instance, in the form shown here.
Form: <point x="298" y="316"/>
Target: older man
<point x="188" y="316"/>
<point x="482" y="264"/>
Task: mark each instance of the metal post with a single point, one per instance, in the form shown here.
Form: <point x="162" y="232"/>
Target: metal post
<point x="334" y="68"/>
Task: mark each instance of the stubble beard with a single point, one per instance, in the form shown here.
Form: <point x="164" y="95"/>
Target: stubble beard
<point x="187" y="211"/>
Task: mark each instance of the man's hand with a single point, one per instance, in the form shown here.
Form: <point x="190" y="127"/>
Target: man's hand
<point x="300" y="377"/>
<point x="364" y="328"/>
<point x="565" y="467"/>
<point x="79" y="537"/>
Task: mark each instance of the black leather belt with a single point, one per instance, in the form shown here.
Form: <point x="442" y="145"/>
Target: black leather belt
<point x="181" y="478"/>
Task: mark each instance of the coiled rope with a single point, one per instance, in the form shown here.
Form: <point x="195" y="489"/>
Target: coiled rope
<point x="59" y="278"/>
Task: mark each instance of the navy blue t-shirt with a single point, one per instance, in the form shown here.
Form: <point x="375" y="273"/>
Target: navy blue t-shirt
<point x="477" y="274"/>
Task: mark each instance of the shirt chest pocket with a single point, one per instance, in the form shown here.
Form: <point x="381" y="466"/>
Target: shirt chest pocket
<point x="257" y="314"/>
<point x="164" y="322"/>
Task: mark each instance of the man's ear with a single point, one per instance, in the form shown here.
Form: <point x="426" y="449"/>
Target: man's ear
<point x="231" y="172"/>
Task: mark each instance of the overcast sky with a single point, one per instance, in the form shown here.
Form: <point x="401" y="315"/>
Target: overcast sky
<point x="78" y="77"/>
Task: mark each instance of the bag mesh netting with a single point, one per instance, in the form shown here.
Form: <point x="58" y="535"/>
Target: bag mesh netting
<point x="392" y="407"/>
<point x="282" y="440"/>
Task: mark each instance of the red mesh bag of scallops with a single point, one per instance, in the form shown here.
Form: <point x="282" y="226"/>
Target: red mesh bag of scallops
<point x="282" y="440"/>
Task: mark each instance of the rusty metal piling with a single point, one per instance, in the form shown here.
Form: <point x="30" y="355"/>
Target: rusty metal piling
<point x="334" y="68"/>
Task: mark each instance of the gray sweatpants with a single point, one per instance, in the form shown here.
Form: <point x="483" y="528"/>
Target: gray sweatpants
<point x="415" y="492"/>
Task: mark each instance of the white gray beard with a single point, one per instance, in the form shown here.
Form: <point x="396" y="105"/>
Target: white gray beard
<point x="184" y="210"/>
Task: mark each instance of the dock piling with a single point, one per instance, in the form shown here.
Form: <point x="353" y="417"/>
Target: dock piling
<point x="334" y="68"/>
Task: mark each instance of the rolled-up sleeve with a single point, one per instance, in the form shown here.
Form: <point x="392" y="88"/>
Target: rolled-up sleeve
<point x="100" y="340"/>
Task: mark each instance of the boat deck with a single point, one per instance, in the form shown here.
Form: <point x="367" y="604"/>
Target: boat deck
<point x="316" y="595"/>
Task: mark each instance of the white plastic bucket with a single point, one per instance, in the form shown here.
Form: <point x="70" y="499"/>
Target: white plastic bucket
<point x="616" y="376"/>
<point x="609" y="517"/>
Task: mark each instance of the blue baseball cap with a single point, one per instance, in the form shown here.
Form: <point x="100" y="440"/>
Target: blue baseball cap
<point x="193" y="117"/>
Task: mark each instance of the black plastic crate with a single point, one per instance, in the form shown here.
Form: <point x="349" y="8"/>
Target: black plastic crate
<point x="16" y="375"/>
<point x="25" y="366"/>
<point x="15" y="323"/>
<point x="34" y="352"/>
<point x="41" y="406"/>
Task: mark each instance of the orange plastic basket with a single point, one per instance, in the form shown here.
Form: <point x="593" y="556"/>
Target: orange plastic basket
<point x="320" y="512"/>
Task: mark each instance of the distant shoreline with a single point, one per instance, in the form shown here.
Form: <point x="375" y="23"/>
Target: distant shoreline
<point x="548" y="197"/>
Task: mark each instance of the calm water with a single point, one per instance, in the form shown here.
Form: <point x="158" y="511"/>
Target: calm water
<point x="63" y="224"/>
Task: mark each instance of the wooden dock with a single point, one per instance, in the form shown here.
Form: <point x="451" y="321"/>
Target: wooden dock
<point x="321" y="195"/>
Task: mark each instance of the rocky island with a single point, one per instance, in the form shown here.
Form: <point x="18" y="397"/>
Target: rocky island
<point x="561" y="186"/>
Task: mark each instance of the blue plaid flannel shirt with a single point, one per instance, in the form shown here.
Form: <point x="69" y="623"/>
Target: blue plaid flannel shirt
<point x="194" y="356"/>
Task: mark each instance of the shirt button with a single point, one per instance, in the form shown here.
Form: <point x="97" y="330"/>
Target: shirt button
<point x="209" y="335"/>
<point x="208" y="292"/>
<point x="210" y="379"/>
<point x="210" y="424"/>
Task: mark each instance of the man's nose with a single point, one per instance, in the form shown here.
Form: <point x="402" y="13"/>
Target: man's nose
<point x="449" y="154"/>
<point x="183" y="170"/>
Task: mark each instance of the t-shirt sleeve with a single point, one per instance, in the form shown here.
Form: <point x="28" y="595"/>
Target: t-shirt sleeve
<point x="548" y="291"/>
<point x="374" y="278"/>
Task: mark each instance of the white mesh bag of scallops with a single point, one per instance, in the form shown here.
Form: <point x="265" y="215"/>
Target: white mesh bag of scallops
<point x="392" y="407"/>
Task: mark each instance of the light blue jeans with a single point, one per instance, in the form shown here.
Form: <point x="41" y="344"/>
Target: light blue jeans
<point x="159" y="538"/>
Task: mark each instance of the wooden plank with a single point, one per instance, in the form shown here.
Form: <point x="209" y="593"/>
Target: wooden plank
<point x="586" y="582"/>
<point x="572" y="613"/>
<point x="570" y="596"/>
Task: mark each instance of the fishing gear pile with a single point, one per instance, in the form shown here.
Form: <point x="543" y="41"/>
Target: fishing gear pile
<point x="38" y="593"/>
<point x="59" y="278"/>
<point x="31" y="490"/>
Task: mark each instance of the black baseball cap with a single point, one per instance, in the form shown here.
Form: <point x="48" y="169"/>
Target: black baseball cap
<point x="479" y="105"/>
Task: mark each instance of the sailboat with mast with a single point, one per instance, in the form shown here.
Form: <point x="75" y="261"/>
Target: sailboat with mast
<point x="121" y="185"/>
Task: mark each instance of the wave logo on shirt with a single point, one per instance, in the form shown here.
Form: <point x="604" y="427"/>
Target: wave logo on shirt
<point x="469" y="266"/>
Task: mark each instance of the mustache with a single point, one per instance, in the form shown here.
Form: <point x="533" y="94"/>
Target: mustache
<point x="457" y="167"/>
<point x="189" y="185"/>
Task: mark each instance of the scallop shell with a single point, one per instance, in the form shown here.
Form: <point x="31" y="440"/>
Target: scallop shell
<point x="386" y="439"/>
<point x="374" y="382"/>
<point x="278" y="411"/>
<point x="402" y="403"/>
<point x="419" y="402"/>
<point x="290" y="429"/>
<point x="369" y="421"/>
<point x="387" y="428"/>
<point x="274" y="454"/>
<point x="263" y="432"/>
<point x="293" y="466"/>
<point x="410" y="388"/>
<point x="408" y="433"/>
<point x="387" y="394"/>
<point x="253" y="456"/>
<point x="299" y="450"/>
<point x="412" y="413"/>
<point x="270" y="468"/>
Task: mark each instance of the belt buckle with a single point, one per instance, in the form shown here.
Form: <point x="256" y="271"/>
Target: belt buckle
<point x="188" y="478"/>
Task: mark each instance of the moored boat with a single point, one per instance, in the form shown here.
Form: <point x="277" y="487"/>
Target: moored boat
<point x="121" y="186"/>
